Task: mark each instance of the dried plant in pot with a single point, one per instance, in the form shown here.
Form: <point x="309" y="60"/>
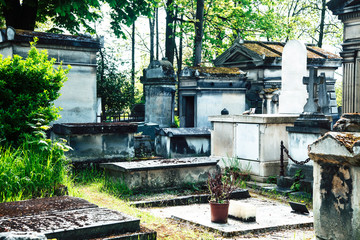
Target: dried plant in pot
<point x="220" y="188"/>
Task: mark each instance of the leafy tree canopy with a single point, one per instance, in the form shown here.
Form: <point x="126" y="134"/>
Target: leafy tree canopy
<point x="267" y="20"/>
<point x="71" y="15"/>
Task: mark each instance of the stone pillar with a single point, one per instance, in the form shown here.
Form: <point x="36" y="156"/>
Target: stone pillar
<point x="271" y="97"/>
<point x="349" y="13"/>
<point x="336" y="191"/>
<point x="159" y="89"/>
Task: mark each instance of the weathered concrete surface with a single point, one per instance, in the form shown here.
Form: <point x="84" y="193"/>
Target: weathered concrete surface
<point x="159" y="174"/>
<point x="97" y="142"/>
<point x="22" y="236"/>
<point x="336" y="191"/>
<point x="60" y="222"/>
<point x="254" y="139"/>
<point x="182" y="142"/>
<point x="159" y="90"/>
<point x="187" y="200"/>
<point x="270" y="215"/>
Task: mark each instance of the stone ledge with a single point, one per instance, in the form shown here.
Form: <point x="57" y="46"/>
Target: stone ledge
<point x="94" y="128"/>
<point x="256" y="118"/>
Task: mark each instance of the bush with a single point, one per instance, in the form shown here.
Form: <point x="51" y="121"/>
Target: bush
<point x="28" y="88"/>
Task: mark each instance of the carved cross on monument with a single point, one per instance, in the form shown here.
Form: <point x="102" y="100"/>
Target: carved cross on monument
<point x="312" y="82"/>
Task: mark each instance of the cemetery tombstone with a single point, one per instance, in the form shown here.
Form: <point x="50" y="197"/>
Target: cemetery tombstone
<point x="311" y="125"/>
<point x="293" y="92"/>
<point x="159" y="90"/>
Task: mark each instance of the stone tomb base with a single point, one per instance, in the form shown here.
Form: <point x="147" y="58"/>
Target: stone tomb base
<point x="270" y="216"/>
<point x="69" y="218"/>
<point x="161" y="174"/>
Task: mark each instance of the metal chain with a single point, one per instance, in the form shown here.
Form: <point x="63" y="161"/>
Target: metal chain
<point x="297" y="162"/>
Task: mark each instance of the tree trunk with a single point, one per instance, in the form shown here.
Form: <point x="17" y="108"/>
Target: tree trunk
<point x="169" y="40"/>
<point x="103" y="108"/>
<point x="198" y="31"/>
<point x="157" y="32"/>
<point x="151" y="24"/>
<point x="322" y="23"/>
<point x="180" y="49"/>
<point x="20" y="16"/>
<point x="133" y="59"/>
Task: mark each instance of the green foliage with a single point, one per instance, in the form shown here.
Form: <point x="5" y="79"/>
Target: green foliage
<point x="266" y="20"/>
<point x="339" y="92"/>
<point x="37" y="168"/>
<point x="297" y="177"/>
<point x="92" y="174"/>
<point x="271" y="179"/>
<point x="176" y="121"/>
<point x="234" y="164"/>
<point x="72" y="15"/>
<point x="113" y="86"/>
<point x="115" y="187"/>
<point x="28" y="88"/>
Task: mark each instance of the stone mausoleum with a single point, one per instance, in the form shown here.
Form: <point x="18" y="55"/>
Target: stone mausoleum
<point x="78" y="98"/>
<point x="206" y="91"/>
<point x="262" y="62"/>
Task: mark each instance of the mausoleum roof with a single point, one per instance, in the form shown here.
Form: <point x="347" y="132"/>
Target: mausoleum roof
<point x="342" y="7"/>
<point x="219" y="70"/>
<point x="259" y="52"/>
<point x="18" y="35"/>
<point x="212" y="71"/>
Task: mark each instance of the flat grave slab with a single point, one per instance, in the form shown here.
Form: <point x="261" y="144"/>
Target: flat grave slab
<point x="270" y="216"/>
<point x="64" y="218"/>
<point x="42" y="205"/>
<point x="165" y="173"/>
<point x="147" y="165"/>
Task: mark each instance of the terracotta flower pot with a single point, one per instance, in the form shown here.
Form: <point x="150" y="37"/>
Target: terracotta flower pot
<point x="219" y="212"/>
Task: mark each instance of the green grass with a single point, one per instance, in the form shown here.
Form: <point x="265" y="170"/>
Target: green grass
<point x="29" y="172"/>
<point x="105" y="183"/>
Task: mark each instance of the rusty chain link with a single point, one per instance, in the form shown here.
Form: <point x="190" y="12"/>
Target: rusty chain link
<point x="297" y="162"/>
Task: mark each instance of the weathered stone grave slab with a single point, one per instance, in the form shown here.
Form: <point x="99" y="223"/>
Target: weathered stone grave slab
<point x="187" y="200"/>
<point x="166" y="173"/>
<point x="270" y="216"/>
<point x="97" y="142"/>
<point x="65" y="218"/>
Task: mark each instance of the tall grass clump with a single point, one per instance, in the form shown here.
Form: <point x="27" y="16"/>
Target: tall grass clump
<point x="34" y="169"/>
